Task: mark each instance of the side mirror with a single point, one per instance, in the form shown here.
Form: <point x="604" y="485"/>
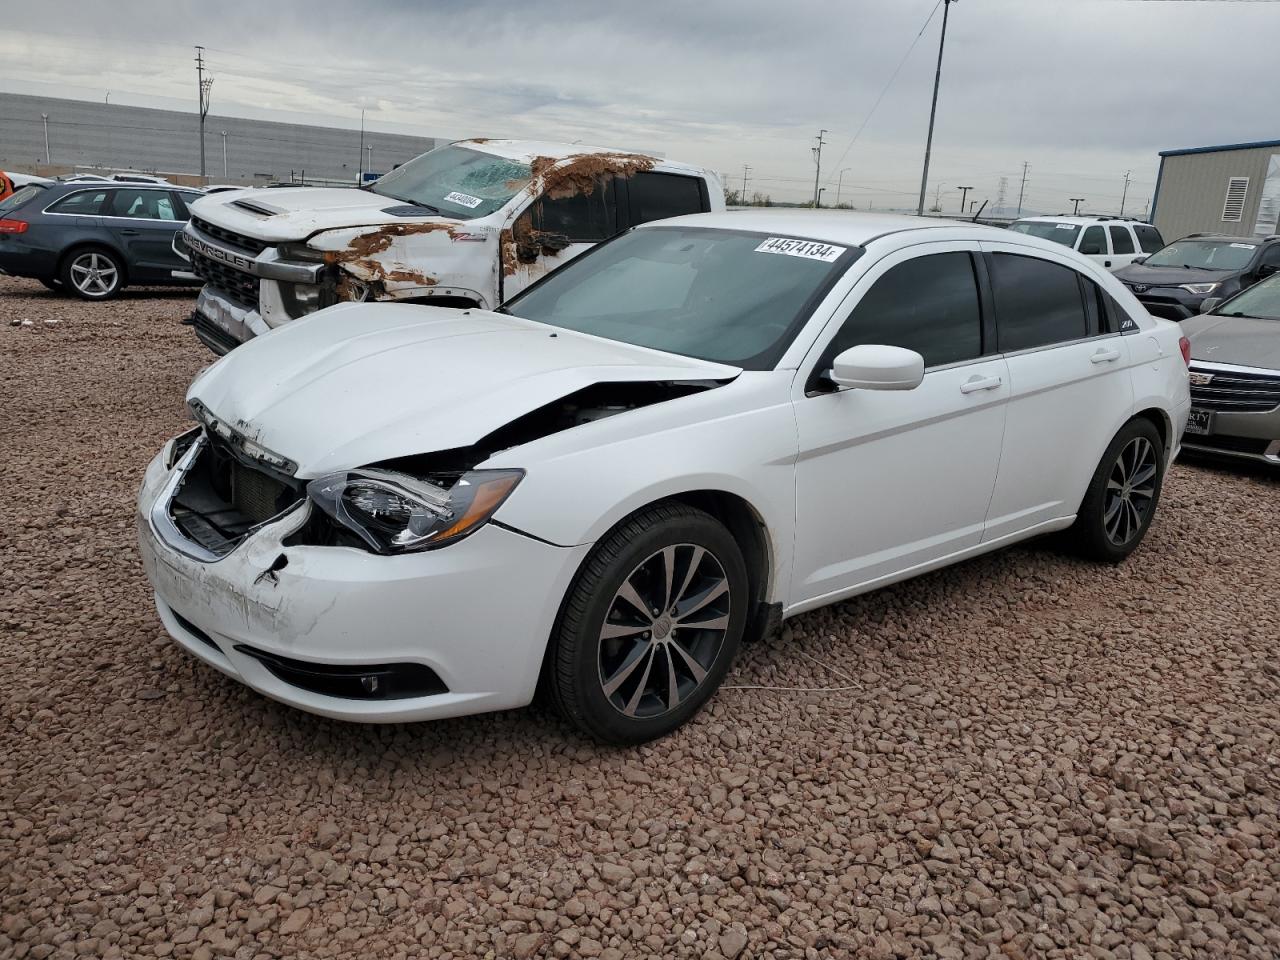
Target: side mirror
<point x="555" y="242"/>
<point x="1209" y="304"/>
<point x="871" y="366"/>
<point x="1266" y="270"/>
<point x="1141" y="259"/>
<point x="526" y="250"/>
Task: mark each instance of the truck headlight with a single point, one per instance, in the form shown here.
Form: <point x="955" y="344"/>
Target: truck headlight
<point x="1199" y="289"/>
<point x="396" y="513"/>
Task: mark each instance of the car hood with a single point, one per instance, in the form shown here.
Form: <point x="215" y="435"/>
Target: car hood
<point x="1245" y="341"/>
<point x="360" y="383"/>
<point x="1168" y="276"/>
<point x="295" y="213"/>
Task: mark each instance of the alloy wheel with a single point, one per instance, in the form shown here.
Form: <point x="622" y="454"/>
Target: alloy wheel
<point x="1131" y="490"/>
<point x="94" y="274"/>
<point x="663" y="630"/>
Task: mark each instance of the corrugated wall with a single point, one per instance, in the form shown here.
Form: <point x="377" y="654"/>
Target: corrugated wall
<point x="83" y="133"/>
<point x="1193" y="189"/>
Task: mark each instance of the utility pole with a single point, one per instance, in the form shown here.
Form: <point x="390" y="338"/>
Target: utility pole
<point x="360" y="175"/>
<point x="370" y="149"/>
<point x="1077" y="201"/>
<point x="746" y="169"/>
<point x="224" y="154"/>
<point x="817" y="159"/>
<point x="964" y="192"/>
<point x="1022" y="189"/>
<point x="1125" y="195"/>
<point x="45" y="118"/>
<point x="937" y="197"/>
<point x="839" y="183"/>
<point x="933" y="111"/>
<point x="203" y="84"/>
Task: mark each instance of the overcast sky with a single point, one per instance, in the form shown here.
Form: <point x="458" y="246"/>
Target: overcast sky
<point x="1083" y="90"/>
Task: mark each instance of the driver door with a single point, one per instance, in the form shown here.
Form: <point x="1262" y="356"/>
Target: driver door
<point x="551" y="231"/>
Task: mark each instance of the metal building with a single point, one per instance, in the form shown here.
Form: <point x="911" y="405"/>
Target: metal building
<point x="1232" y="189"/>
<point x="51" y="135"/>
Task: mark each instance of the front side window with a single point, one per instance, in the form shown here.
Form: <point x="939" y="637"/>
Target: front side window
<point x="1121" y="240"/>
<point x="929" y="305"/>
<point x="1271" y="257"/>
<point x="729" y="296"/>
<point x="455" y="181"/>
<point x="1037" y="302"/>
<point x="1205" y="255"/>
<point x="86" y="203"/>
<point x="580" y="217"/>
<point x="1063" y="233"/>
<point x="1148" y="237"/>
<point x="656" y="196"/>
<point x="1094" y="241"/>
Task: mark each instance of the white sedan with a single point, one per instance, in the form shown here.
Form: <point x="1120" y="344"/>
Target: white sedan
<point x="395" y="512"/>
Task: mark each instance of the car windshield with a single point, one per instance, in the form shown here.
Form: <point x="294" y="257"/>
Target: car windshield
<point x="1063" y="233"/>
<point x="1261" y="300"/>
<point x="1204" y="255"/>
<point x="19" y="197"/>
<point x="455" y="181"/>
<point x="723" y="295"/>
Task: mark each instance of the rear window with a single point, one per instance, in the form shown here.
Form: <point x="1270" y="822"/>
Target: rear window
<point x="20" y="196"/>
<point x="1063" y="233"/>
<point x="1148" y="237"/>
<point x="656" y="196"/>
<point x="87" y="203"/>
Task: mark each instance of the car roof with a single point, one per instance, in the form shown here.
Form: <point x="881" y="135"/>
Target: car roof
<point x="1226" y="238"/>
<point x="853" y="228"/>
<point x="67" y="187"/>
<point x="1082" y="220"/>
<point x="527" y="151"/>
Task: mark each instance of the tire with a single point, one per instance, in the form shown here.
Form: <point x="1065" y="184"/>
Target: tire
<point x="1117" y="509"/>
<point x="611" y="667"/>
<point x="92" y="273"/>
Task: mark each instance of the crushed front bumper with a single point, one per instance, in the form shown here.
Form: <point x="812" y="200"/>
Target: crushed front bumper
<point x="476" y="614"/>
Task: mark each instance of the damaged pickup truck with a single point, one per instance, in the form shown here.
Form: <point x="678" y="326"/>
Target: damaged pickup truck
<point x="469" y="224"/>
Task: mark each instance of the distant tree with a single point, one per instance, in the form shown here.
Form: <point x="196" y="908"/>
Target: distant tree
<point x="759" y="199"/>
<point x="732" y="198"/>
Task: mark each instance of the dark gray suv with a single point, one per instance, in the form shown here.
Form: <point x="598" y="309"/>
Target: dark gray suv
<point x="92" y="239"/>
<point x="1175" y="280"/>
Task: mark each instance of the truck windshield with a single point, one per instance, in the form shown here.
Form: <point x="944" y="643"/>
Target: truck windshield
<point x="1063" y="233"/>
<point x="1204" y="255"/>
<point x="723" y="295"/>
<point x="456" y="182"/>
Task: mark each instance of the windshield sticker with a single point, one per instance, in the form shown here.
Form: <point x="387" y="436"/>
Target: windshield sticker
<point x="1245" y="246"/>
<point x="809" y="249"/>
<point x="1064" y="226"/>
<point x="464" y="200"/>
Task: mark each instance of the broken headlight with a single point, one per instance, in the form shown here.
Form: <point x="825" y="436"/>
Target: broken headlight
<point x="396" y="513"/>
<point x="176" y="447"/>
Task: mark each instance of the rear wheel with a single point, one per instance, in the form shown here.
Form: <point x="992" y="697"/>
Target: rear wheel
<point x="93" y="274"/>
<point x="650" y="625"/>
<point x="1122" y="496"/>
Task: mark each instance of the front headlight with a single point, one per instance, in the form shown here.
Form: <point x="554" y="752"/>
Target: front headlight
<point x="1199" y="289"/>
<point x="396" y="513"/>
<point x="176" y="447"/>
<point x="300" y="251"/>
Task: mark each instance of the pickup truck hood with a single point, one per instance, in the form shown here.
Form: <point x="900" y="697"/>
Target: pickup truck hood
<point x="1245" y="341"/>
<point x="295" y="213"/>
<point x="410" y="380"/>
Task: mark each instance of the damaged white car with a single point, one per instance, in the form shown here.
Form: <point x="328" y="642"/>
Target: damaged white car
<point x="469" y="224"/>
<point x="397" y="512"/>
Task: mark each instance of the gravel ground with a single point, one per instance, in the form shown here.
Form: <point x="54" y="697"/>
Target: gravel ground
<point x="1025" y="756"/>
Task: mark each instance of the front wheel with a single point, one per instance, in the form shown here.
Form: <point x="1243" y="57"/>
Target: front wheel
<point x="93" y="274"/>
<point x="1122" y="496"/>
<point x="650" y="625"/>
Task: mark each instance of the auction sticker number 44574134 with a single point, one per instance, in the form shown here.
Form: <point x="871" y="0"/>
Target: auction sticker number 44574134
<point x="809" y="249"/>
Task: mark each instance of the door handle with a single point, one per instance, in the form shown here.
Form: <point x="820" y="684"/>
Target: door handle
<point x="974" y="384"/>
<point x="1105" y="355"/>
<point x="1106" y="263"/>
<point x="130" y="233"/>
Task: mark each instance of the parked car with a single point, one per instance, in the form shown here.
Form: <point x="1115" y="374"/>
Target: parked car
<point x="112" y="178"/>
<point x="396" y="512"/>
<point x="1113" y="242"/>
<point x="22" y="179"/>
<point x="468" y="224"/>
<point x="1173" y="282"/>
<point x="1235" y="375"/>
<point x="93" y="239"/>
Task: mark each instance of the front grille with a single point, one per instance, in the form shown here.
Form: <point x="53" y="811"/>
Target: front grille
<point x="240" y="287"/>
<point x="249" y="245"/>
<point x="1167" y="308"/>
<point x="1236" y="391"/>
<point x="1247" y="445"/>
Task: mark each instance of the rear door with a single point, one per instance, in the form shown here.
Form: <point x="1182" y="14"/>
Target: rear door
<point x="1124" y="246"/>
<point x="551" y="231"/>
<point x="1070" y="385"/>
<point x="1093" y="244"/>
<point x="144" y="222"/>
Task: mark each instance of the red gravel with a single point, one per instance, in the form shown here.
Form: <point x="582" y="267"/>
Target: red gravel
<point x="1030" y="756"/>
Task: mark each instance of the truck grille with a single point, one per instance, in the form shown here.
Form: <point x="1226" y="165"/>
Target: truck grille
<point x="240" y="287"/>
<point x="249" y="245"/>
<point x="1235" y="391"/>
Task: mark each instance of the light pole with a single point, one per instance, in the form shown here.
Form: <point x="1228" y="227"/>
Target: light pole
<point x="1125" y="195"/>
<point x="817" y="159"/>
<point x="937" y="197"/>
<point x="933" y="111"/>
<point x="370" y="149"/>
<point x="821" y="191"/>
<point x="224" y="154"/>
<point x="839" y="183"/>
<point x="360" y="175"/>
<point x="1077" y="201"/>
<point x="45" y="118"/>
<point x="964" y="192"/>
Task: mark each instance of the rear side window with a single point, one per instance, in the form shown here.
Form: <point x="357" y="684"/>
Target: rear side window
<point x="1094" y="241"/>
<point x="1148" y="237"/>
<point x="582" y="217"/>
<point x="1121" y="240"/>
<point x="143" y="204"/>
<point x="87" y="203"/>
<point x="929" y="305"/>
<point x="1037" y="302"/>
<point x="656" y="196"/>
<point x="19" y="197"/>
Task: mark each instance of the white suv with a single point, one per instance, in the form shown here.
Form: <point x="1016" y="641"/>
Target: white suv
<point x="1111" y="242"/>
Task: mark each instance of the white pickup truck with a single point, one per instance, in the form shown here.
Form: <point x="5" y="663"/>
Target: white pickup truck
<point x="467" y="224"/>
